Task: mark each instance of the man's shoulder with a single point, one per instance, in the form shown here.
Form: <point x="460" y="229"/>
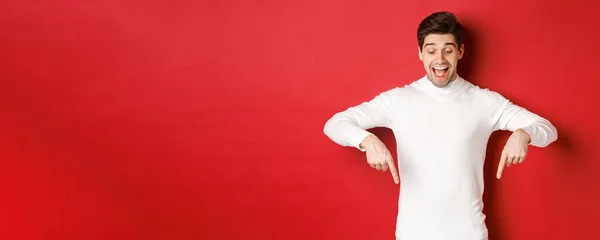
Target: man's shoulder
<point x="398" y="92"/>
<point x="484" y="92"/>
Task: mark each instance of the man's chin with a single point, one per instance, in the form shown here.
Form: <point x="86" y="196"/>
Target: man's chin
<point x="439" y="82"/>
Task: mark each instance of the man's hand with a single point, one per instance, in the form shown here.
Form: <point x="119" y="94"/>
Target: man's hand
<point x="514" y="151"/>
<point x="378" y="156"/>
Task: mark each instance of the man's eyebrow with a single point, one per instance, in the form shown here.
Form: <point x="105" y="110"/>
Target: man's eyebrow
<point x="450" y="43"/>
<point x="445" y="44"/>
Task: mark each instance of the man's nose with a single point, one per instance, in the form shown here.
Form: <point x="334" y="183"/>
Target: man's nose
<point x="439" y="57"/>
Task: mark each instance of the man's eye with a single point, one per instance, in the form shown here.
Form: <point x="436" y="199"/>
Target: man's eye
<point x="431" y="52"/>
<point x="448" y="51"/>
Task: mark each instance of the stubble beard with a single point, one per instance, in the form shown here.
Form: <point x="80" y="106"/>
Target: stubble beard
<point x="432" y="78"/>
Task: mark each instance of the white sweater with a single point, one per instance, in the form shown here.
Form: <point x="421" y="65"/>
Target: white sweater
<point x="441" y="136"/>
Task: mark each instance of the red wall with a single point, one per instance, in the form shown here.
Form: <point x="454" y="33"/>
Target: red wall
<point x="188" y="120"/>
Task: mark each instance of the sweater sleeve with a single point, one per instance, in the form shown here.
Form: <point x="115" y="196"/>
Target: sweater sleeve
<point x="349" y="127"/>
<point x="511" y="117"/>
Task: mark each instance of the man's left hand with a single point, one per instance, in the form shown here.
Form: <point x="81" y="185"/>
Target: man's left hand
<point x="514" y="151"/>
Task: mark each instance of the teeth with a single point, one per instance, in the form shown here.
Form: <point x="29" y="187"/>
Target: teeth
<point x="440" y="68"/>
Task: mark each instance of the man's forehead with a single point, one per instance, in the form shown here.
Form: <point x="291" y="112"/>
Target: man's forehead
<point x="440" y="39"/>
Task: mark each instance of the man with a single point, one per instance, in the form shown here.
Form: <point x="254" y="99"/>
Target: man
<point x="442" y="124"/>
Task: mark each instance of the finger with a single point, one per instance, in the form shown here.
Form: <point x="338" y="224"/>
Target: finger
<point x="383" y="166"/>
<point x="393" y="170"/>
<point x="378" y="166"/>
<point x="516" y="160"/>
<point x="501" y="165"/>
<point x="509" y="161"/>
<point x="522" y="160"/>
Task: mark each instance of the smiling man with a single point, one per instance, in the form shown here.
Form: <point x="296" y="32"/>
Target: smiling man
<point x="440" y="54"/>
<point x="442" y="124"/>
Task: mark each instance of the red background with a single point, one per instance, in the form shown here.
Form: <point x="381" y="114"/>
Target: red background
<point x="203" y="120"/>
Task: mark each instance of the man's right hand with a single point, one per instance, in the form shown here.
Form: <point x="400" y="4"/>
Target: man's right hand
<point x="378" y="156"/>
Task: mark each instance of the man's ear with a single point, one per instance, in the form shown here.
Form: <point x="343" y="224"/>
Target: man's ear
<point x="420" y="53"/>
<point x="461" y="51"/>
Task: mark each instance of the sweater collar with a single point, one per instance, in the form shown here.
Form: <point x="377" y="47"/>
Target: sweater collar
<point x="427" y="86"/>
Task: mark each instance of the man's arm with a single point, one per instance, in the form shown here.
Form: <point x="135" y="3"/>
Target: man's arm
<point x="349" y="127"/>
<point x="512" y="117"/>
<point x="528" y="129"/>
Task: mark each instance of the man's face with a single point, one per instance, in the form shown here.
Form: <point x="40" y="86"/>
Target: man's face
<point x="440" y="57"/>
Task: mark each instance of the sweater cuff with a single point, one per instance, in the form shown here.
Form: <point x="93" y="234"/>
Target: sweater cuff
<point x="531" y="131"/>
<point x="359" y="138"/>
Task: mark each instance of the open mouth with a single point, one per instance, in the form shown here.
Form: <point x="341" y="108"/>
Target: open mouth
<point x="440" y="72"/>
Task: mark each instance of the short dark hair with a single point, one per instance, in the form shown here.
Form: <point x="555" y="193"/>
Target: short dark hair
<point x="440" y="23"/>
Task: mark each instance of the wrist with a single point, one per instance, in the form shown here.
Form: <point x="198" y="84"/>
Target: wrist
<point x="368" y="141"/>
<point x="524" y="135"/>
